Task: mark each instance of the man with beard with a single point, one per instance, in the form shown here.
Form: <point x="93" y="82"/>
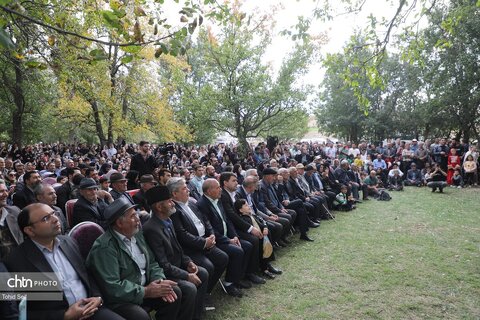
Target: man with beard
<point x="26" y="196"/>
<point x="126" y="271"/>
<point x="143" y="161"/>
<point x="177" y="266"/>
<point x="46" y="194"/>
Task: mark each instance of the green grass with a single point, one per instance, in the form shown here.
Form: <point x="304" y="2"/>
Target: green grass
<point x="415" y="257"/>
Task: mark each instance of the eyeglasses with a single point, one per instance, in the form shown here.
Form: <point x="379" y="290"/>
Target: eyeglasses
<point x="44" y="219"/>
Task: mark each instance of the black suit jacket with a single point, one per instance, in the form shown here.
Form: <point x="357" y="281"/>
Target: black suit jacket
<point x="229" y="208"/>
<point x="23" y="198"/>
<point x="267" y="198"/>
<point x="139" y="198"/>
<point x="28" y="258"/>
<point x="64" y="193"/>
<point x="143" y="166"/>
<point x="295" y="191"/>
<point x="207" y="208"/>
<point x="187" y="233"/>
<point x="83" y="210"/>
<point x="168" y="251"/>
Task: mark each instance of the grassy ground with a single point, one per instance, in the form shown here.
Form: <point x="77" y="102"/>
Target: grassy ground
<point x="415" y="257"/>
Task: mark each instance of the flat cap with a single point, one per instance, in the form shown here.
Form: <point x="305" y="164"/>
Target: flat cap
<point x="117" y="208"/>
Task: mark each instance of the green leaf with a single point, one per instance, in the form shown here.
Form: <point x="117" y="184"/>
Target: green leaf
<point x="478" y="3"/>
<point x="132" y="49"/>
<point x="127" y="59"/>
<point x="111" y="19"/>
<point x="5" y="40"/>
<point x="98" y="54"/>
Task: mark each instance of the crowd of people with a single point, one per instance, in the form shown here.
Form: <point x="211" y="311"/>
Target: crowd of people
<point x="179" y="220"/>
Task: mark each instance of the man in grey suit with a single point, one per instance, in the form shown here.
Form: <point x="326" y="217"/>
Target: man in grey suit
<point x="160" y="236"/>
<point x="10" y="234"/>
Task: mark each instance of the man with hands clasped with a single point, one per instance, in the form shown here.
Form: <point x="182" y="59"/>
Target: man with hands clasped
<point x="126" y="271"/>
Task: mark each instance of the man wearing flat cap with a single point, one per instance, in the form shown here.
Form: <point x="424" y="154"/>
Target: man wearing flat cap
<point x="89" y="207"/>
<point x="147" y="182"/>
<point x="118" y="183"/>
<point x="160" y="235"/>
<point x="126" y="271"/>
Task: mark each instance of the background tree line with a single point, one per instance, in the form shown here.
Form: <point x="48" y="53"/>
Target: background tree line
<point x="427" y="87"/>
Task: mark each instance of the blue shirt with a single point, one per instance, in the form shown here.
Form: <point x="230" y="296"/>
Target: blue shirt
<point x="72" y="286"/>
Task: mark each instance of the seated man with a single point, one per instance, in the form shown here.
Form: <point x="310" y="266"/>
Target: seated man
<point x="146" y="183"/>
<point x="10" y="234"/>
<point x="89" y="206"/>
<point x="45" y="250"/>
<point x="177" y="266"/>
<point x="195" y="234"/>
<point x="126" y="270"/>
<point x="414" y="176"/>
<point x="395" y="182"/>
<point x="372" y="184"/>
<point x="26" y="196"/>
<point x="46" y="194"/>
<point x="226" y="238"/>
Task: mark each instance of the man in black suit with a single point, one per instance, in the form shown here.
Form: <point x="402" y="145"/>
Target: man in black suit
<point x="273" y="203"/>
<point x="118" y="183"/>
<point x="46" y="251"/>
<point x="229" y="183"/>
<point x="226" y="238"/>
<point x="10" y="234"/>
<point x="26" y="196"/>
<point x="195" y="234"/>
<point x="160" y="236"/>
<point x="65" y="191"/>
<point x="89" y="207"/>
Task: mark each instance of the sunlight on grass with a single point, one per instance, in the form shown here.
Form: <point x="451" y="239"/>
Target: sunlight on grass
<point x="415" y="257"/>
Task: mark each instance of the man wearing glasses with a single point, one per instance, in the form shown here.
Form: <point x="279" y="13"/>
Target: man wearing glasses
<point x="45" y="250"/>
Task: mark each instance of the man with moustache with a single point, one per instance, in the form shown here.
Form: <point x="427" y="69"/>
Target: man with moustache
<point x="46" y="251"/>
<point x="10" y="234"/>
<point x="177" y="266"/>
<point x="126" y="271"/>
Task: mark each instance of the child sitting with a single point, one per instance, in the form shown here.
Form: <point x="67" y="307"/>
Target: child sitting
<point x="457" y="180"/>
<point x="342" y="202"/>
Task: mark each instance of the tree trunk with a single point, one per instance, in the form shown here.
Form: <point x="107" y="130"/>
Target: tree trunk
<point x="98" y="124"/>
<point x="19" y="100"/>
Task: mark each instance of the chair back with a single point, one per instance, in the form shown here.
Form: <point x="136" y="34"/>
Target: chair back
<point x="133" y="192"/>
<point x="85" y="233"/>
<point x="69" y="210"/>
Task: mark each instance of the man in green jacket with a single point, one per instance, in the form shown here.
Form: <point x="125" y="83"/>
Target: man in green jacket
<point x="127" y="273"/>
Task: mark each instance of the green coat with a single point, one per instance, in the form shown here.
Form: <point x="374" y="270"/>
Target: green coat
<point x="115" y="271"/>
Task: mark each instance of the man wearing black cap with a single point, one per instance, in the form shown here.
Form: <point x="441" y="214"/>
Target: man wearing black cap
<point x="177" y="266"/>
<point x="88" y="206"/>
<point x="126" y="271"/>
<point x="118" y="183"/>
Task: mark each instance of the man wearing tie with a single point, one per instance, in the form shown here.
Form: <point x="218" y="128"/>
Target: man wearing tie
<point x="177" y="266"/>
<point x="226" y="238"/>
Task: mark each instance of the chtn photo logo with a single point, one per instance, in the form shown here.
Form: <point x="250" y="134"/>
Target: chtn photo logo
<point x="26" y="283"/>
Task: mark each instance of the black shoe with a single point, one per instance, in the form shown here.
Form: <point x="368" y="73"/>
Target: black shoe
<point x="305" y="237"/>
<point x="358" y="201"/>
<point x="244" y="284"/>
<point x="269" y="275"/>
<point x="208" y="303"/>
<point x="281" y="243"/>
<point x="274" y="270"/>
<point x="434" y="189"/>
<point x="233" y="291"/>
<point x="318" y="220"/>
<point x="286" y="240"/>
<point x="255" y="279"/>
<point x="312" y="224"/>
<point x="365" y="199"/>
<point x="441" y="190"/>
